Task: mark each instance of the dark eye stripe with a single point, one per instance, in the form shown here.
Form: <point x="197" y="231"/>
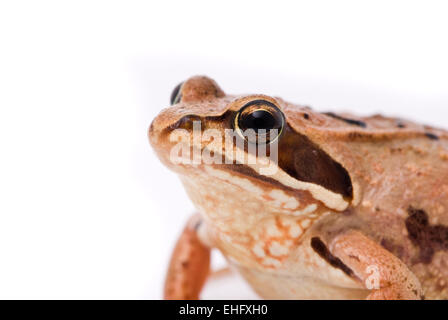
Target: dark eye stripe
<point x="305" y="161"/>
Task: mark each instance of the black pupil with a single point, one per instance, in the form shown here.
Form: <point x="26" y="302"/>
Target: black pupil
<point x="258" y="120"/>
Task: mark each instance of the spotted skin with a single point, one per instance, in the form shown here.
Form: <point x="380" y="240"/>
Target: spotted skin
<point x="345" y="180"/>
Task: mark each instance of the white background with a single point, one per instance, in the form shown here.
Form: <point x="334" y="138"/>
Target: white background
<point x="86" y="209"/>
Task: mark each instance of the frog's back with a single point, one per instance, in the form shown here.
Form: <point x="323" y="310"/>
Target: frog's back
<point x="401" y="172"/>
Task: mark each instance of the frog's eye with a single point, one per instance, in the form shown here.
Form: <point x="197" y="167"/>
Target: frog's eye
<point x="259" y="121"/>
<point x="176" y="95"/>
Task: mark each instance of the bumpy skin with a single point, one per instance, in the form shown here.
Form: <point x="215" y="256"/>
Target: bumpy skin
<point x="294" y="239"/>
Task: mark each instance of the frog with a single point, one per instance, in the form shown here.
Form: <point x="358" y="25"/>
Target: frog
<point x="351" y="207"/>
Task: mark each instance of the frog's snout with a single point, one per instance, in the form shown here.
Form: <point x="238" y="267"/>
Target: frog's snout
<point x="195" y="89"/>
<point x="158" y="130"/>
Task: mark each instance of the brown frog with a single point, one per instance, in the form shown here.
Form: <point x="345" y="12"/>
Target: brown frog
<point x="334" y="207"/>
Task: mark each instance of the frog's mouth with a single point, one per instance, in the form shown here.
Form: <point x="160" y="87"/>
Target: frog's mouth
<point x="299" y="164"/>
<point x="305" y="192"/>
<point x="296" y="171"/>
<point x="296" y="154"/>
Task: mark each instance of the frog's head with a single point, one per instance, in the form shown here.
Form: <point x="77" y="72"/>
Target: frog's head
<point x="215" y="143"/>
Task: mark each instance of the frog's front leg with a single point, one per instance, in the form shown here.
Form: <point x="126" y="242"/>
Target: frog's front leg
<point x="189" y="265"/>
<point x="378" y="269"/>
